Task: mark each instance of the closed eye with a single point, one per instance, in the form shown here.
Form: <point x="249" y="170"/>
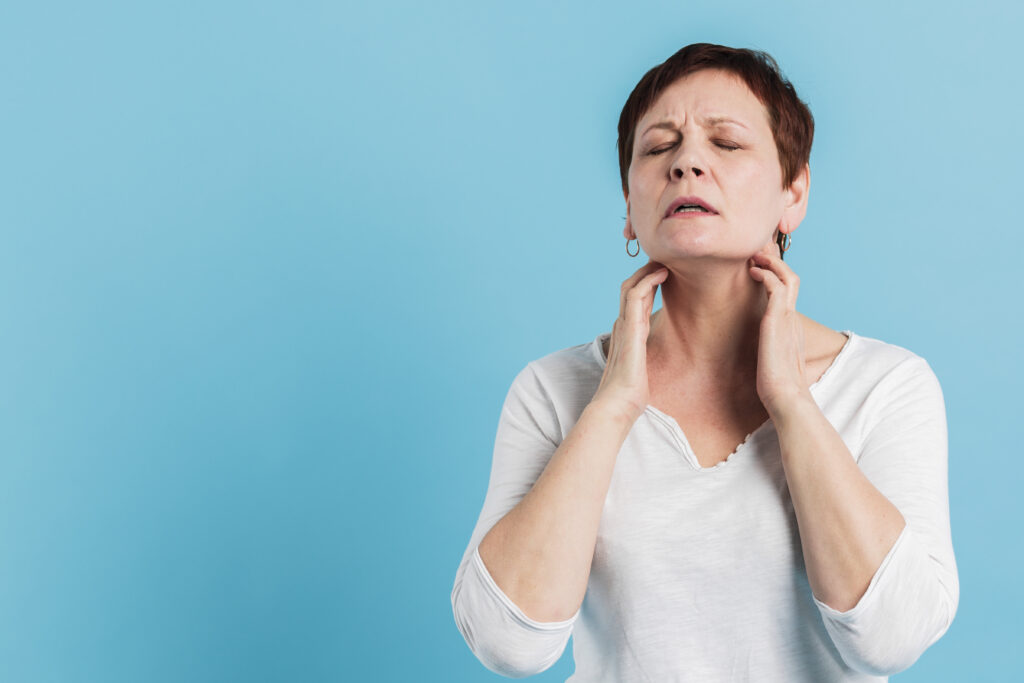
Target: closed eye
<point x="659" y="150"/>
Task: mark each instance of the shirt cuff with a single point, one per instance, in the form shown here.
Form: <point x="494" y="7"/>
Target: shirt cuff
<point x="512" y="608"/>
<point x="865" y="600"/>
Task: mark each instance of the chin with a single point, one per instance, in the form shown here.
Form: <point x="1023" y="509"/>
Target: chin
<point x="703" y="252"/>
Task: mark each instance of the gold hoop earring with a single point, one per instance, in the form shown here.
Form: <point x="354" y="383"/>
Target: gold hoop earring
<point x="786" y="241"/>
<point x="637" y="246"/>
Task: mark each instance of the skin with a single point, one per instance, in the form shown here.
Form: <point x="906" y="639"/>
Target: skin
<point x="730" y="314"/>
<point x="708" y="328"/>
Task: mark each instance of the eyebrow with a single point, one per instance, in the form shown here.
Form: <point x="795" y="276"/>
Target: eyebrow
<point x="708" y="122"/>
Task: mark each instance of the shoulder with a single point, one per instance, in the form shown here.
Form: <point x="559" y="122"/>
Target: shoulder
<point x="867" y="371"/>
<point x="569" y="376"/>
<point x="824" y="342"/>
<point x="572" y="361"/>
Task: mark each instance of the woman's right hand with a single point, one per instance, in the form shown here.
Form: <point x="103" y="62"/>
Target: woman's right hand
<point x="624" y="382"/>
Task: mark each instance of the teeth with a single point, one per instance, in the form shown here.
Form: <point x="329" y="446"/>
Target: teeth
<point x="691" y="208"/>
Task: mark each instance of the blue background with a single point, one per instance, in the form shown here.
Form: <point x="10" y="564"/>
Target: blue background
<point x="268" y="269"/>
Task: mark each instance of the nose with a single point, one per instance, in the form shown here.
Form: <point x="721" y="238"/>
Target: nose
<point x="687" y="161"/>
<point x="678" y="172"/>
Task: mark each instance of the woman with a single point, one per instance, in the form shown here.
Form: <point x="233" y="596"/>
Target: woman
<point x="726" y="490"/>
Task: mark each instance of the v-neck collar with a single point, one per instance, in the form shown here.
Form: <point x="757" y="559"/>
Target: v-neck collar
<point x="676" y="431"/>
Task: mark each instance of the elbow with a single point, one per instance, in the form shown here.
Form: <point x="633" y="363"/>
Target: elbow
<point x="881" y="663"/>
<point x="503" y="647"/>
<point x="909" y="605"/>
<point x="890" y="656"/>
<point x="510" y="667"/>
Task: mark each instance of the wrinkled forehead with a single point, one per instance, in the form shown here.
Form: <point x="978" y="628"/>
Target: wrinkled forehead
<point x="710" y="97"/>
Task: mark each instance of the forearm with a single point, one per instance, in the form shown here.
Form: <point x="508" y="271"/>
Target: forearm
<point x="540" y="553"/>
<point x="846" y="525"/>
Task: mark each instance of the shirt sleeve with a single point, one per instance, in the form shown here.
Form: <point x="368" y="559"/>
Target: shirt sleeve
<point x="499" y="634"/>
<point x="913" y="596"/>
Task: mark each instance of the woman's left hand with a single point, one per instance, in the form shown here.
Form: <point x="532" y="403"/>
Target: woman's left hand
<point x="780" y="352"/>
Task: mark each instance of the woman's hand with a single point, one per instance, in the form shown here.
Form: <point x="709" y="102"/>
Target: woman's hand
<point x="780" y="353"/>
<point x="624" y="382"/>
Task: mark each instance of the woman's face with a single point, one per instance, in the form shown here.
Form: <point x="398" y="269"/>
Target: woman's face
<point x="680" y="150"/>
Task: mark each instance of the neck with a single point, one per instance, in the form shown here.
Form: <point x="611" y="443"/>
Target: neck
<point x="710" y="321"/>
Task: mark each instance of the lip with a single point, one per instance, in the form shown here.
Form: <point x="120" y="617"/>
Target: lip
<point x="691" y="215"/>
<point x="679" y="201"/>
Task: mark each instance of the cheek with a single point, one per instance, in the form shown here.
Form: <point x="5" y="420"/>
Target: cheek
<point x="757" y="188"/>
<point x="640" y="192"/>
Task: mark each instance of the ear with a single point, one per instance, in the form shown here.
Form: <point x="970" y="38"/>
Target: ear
<point x="796" y="201"/>
<point x="627" y="230"/>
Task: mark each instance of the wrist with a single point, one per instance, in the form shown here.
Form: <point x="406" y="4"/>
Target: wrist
<point x="791" y="409"/>
<point x="619" y="412"/>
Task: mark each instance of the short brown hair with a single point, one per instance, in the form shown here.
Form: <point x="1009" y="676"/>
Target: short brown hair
<point x="789" y="117"/>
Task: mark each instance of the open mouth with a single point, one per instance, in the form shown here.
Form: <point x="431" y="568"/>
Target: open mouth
<point x="690" y="208"/>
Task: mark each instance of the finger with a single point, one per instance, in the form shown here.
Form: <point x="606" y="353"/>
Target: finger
<point x="782" y="271"/>
<point x="631" y="281"/>
<point x="778" y="297"/>
<point x="640" y="299"/>
<point x="771" y="248"/>
<point x="777" y="266"/>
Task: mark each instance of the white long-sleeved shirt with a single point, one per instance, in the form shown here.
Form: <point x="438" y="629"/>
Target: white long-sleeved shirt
<point x="698" y="573"/>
